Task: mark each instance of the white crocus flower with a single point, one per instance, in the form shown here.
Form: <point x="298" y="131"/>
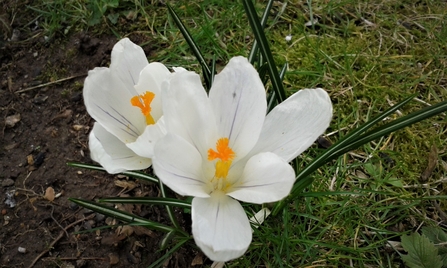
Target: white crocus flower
<point x="125" y="101"/>
<point x="223" y="147"/>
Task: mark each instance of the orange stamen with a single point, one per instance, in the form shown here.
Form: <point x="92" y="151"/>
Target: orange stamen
<point x="225" y="156"/>
<point x="224" y="152"/>
<point x="143" y="102"/>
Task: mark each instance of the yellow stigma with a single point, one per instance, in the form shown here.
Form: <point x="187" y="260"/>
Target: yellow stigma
<point x="225" y="156"/>
<point x="143" y="101"/>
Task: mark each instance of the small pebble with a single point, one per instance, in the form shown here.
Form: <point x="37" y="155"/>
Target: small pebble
<point x="87" y="211"/>
<point x="73" y="206"/>
<point x="92" y="223"/>
<point x="113" y="259"/>
<point x="99" y="217"/>
<point x="81" y="263"/>
<point x="22" y="250"/>
<point x="7" y="182"/>
<point x="87" y="225"/>
<point x="4" y="211"/>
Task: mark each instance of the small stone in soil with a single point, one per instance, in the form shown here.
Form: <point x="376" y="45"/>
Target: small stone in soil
<point x="87" y="211"/>
<point x="22" y="250"/>
<point x="39" y="159"/>
<point x="7" y="182"/>
<point x="113" y="259"/>
<point x="73" y="206"/>
<point x="99" y="217"/>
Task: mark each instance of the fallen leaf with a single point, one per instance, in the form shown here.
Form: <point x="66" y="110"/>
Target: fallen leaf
<point x="432" y="161"/>
<point x="49" y="194"/>
<point x="126" y="230"/>
<point x="127" y="185"/>
<point x="11" y="146"/>
<point x="12" y="120"/>
<point x="113" y="259"/>
<point x="78" y="127"/>
<point x="198" y="260"/>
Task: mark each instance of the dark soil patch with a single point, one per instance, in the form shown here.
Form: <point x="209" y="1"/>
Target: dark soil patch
<point x="52" y="129"/>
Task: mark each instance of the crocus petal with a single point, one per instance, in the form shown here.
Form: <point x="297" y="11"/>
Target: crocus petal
<point x="144" y="145"/>
<point x="292" y="126"/>
<point x="179" y="165"/>
<point x="127" y="61"/>
<point x="239" y="103"/>
<point x="187" y="110"/>
<point x="108" y="91"/>
<point x="151" y="79"/>
<point x="220" y="227"/>
<point x="112" y="154"/>
<point x="266" y="178"/>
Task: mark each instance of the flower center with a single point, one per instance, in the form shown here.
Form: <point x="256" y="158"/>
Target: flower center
<point x="143" y="101"/>
<point x="225" y="156"/>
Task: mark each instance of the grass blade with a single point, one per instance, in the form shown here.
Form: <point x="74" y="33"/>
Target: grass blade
<point x="356" y="139"/>
<point x="134" y="174"/>
<point x="265" y="49"/>
<point x="255" y="48"/>
<point x="121" y="215"/>
<point x="396" y="125"/>
<point x="195" y="49"/>
<point x="169" y="208"/>
<point x="160" y="261"/>
<point x="148" y="201"/>
<point x="272" y="98"/>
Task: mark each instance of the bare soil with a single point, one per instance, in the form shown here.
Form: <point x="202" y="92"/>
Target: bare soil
<point x="44" y="125"/>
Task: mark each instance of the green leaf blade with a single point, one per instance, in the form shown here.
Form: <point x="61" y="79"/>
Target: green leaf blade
<point x="265" y="49"/>
<point x="192" y="44"/>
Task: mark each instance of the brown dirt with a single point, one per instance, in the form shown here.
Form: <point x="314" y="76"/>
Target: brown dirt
<point x="52" y="129"/>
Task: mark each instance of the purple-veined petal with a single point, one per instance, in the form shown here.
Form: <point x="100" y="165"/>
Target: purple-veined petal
<point x="144" y="145"/>
<point x="187" y="111"/>
<point x="292" y="126"/>
<point x="112" y="154"/>
<point x="220" y="227"/>
<point x="266" y="178"/>
<point x="239" y="104"/>
<point x="108" y="91"/>
<point x="179" y="165"/>
<point x="151" y="79"/>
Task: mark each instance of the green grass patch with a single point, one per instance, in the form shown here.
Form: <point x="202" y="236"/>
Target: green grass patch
<point x="368" y="56"/>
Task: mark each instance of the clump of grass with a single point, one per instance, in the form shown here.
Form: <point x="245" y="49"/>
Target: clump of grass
<point x="368" y="56"/>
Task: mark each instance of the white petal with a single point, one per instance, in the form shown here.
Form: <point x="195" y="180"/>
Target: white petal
<point x="260" y="217"/>
<point x="127" y="61"/>
<point x="220" y="227"/>
<point x="239" y="103"/>
<point x="112" y="154"/>
<point x="266" y="178"/>
<point x="187" y="111"/>
<point x="108" y="91"/>
<point x="179" y="165"/>
<point x="291" y="127"/>
<point x="151" y="79"/>
<point x="144" y="145"/>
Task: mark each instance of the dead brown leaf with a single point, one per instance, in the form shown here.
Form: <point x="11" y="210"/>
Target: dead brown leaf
<point x="432" y="161"/>
<point x="126" y="230"/>
<point x="12" y="120"/>
<point x="198" y="260"/>
<point x="126" y="185"/>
